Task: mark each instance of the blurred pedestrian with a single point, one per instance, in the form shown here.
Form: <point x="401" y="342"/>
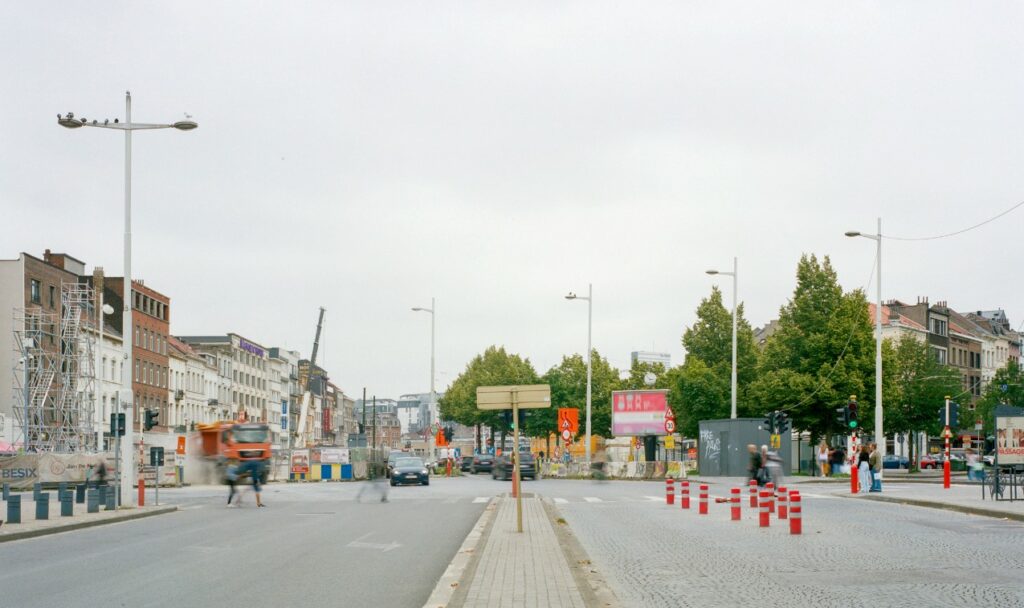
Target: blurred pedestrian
<point x="231" y="476"/>
<point x="101" y="472"/>
<point x="755" y="465"/>
<point x="823" y="458"/>
<point x="773" y="467"/>
<point x="255" y="470"/>
<point x="975" y="465"/>
<point x="863" y="469"/>
<point x="598" y="465"/>
<point x="836" y="459"/>
<point x="875" y="463"/>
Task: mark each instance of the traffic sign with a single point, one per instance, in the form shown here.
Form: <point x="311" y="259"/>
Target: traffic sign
<point x="670" y="442"/>
<point x="670" y="425"/>
<point x="566" y="434"/>
<point x="500" y="397"/>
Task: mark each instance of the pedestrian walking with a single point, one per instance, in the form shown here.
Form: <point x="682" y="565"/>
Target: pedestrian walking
<point x="875" y="463"/>
<point x="101" y="472"/>
<point x="231" y="476"/>
<point x="255" y="470"/>
<point x="755" y="467"/>
<point x="823" y="458"/>
<point x="864" y="469"/>
<point x="975" y="465"/>
<point x="836" y="459"/>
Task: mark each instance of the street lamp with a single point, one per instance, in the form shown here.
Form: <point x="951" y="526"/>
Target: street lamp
<point x="734" y="274"/>
<point x="879" y="434"/>
<point x="433" y="397"/>
<point x="69" y="121"/>
<point x="590" y="317"/>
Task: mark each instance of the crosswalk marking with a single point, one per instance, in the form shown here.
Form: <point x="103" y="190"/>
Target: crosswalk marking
<point x="561" y="501"/>
<point x="591" y="499"/>
<point x="655" y="498"/>
<point x="481" y="499"/>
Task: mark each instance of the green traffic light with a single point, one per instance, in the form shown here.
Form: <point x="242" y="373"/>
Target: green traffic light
<point x="853" y="424"/>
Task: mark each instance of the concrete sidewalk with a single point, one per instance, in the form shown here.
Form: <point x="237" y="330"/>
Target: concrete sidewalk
<point x="31" y="527"/>
<point x="527" y="570"/>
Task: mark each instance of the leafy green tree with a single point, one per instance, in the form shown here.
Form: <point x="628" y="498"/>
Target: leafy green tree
<point x="822" y="353"/>
<point x="494" y="367"/>
<point x="916" y="385"/>
<point x="568" y="381"/>
<point x="697" y="392"/>
<point x="1012" y="377"/>
<point x="636" y="380"/>
<point x="710" y="339"/>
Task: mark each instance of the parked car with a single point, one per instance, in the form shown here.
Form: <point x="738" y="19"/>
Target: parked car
<point x="410" y="470"/>
<point x="481" y="462"/>
<point x="892" y="461"/>
<point x="465" y="463"/>
<point x="503" y="466"/>
<point x="927" y="461"/>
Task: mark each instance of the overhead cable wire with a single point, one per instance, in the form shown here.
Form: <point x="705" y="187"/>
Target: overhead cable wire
<point x="949" y="234"/>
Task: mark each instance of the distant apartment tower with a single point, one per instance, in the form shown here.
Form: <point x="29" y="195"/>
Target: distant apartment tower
<point x="645" y="356"/>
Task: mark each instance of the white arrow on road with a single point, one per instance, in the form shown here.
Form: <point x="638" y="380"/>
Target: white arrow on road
<point x="359" y="544"/>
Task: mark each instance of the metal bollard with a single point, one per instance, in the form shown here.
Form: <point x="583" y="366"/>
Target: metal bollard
<point x="796" y="522"/>
<point x="670" y="491"/>
<point x="110" y="503"/>
<point x="92" y="501"/>
<point x="80" y="493"/>
<point x="753" y="493"/>
<point x="735" y="504"/>
<point x="702" y="508"/>
<point x="43" y="506"/>
<point x="67" y="504"/>
<point x="771" y="496"/>
<point x="765" y="515"/>
<point x="62" y="487"/>
<point x="7" y="491"/>
<point x="684" y="494"/>
<point x="783" y="494"/>
<point x="37" y="488"/>
<point x="14" y="509"/>
<point x="103" y="493"/>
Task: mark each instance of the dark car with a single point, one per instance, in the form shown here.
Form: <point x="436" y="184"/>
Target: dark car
<point x="481" y="462"/>
<point x="392" y="457"/>
<point x="892" y="461"/>
<point x="410" y="470"/>
<point x="465" y="463"/>
<point x="503" y="466"/>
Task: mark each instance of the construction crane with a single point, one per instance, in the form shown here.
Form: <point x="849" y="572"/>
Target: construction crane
<point x="307" y="396"/>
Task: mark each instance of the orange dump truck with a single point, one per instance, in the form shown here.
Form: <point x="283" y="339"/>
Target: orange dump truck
<point x="243" y="441"/>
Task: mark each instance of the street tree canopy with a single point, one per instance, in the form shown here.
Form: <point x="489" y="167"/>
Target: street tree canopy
<point x="494" y="367"/>
<point x="568" y="381"/>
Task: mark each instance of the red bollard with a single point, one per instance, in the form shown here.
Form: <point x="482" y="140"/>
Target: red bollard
<point x="448" y="466"/>
<point x="853" y="480"/>
<point x="796" y="525"/>
<point x="142" y="491"/>
<point x="765" y="517"/>
<point x="771" y="496"/>
<point x="753" y="494"/>
<point x="945" y="474"/>
<point x="703" y="506"/>
<point x="670" y="491"/>
<point x="783" y="509"/>
<point x="735" y="504"/>
<point x="684" y="494"/>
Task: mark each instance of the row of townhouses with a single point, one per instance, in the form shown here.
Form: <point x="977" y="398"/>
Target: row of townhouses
<point x="62" y="370"/>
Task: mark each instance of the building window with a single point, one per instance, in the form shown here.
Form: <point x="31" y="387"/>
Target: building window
<point x="34" y="294"/>
<point x="940" y="355"/>
<point x="53" y="292"/>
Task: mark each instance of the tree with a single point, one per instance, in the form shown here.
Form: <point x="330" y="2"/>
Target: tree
<point x="710" y="339"/>
<point x="822" y="353"/>
<point x="697" y="392"/>
<point x="568" y="382"/>
<point x="1011" y="378"/>
<point x="494" y="367"/>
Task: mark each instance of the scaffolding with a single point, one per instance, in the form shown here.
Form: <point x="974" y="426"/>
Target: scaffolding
<point x="54" y="374"/>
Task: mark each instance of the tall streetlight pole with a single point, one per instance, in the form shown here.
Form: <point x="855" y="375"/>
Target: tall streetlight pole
<point x="433" y="395"/>
<point x="590" y="318"/>
<point x="69" y="121"/>
<point x="879" y="434"/>
<point x="735" y="282"/>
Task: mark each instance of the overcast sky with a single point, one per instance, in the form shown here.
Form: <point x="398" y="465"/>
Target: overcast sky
<point x="365" y="156"/>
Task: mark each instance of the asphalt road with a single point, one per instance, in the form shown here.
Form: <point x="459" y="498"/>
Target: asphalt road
<point x="313" y="545"/>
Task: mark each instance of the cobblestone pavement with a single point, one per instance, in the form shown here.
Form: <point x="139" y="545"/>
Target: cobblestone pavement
<point x="852" y="553"/>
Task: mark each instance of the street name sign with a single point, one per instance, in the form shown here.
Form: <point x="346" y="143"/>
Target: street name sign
<point x="529" y="396"/>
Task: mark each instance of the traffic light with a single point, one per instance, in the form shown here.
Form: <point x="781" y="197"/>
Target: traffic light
<point x="448" y="434"/>
<point x="843" y="416"/>
<point x="151" y="416"/>
<point x="852" y="416"/>
<point x="117" y="425"/>
<point x="781" y="422"/>
<point x="954" y="414"/>
<point x="769" y="422"/>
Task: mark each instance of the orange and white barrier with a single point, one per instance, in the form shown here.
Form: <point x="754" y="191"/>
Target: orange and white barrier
<point x="753" y="494"/>
<point x="771" y="496"/>
<point x="765" y="517"/>
<point x="670" y="491"/>
<point x="796" y="522"/>
<point x="684" y="494"/>
<point x="703" y="506"/>
<point x="735" y="500"/>
<point x="783" y="510"/>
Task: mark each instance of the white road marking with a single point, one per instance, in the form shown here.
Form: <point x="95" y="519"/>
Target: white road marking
<point x="481" y="499"/>
<point x="359" y="544"/>
<point x="655" y="498"/>
<point x="592" y="499"/>
<point x="561" y="501"/>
